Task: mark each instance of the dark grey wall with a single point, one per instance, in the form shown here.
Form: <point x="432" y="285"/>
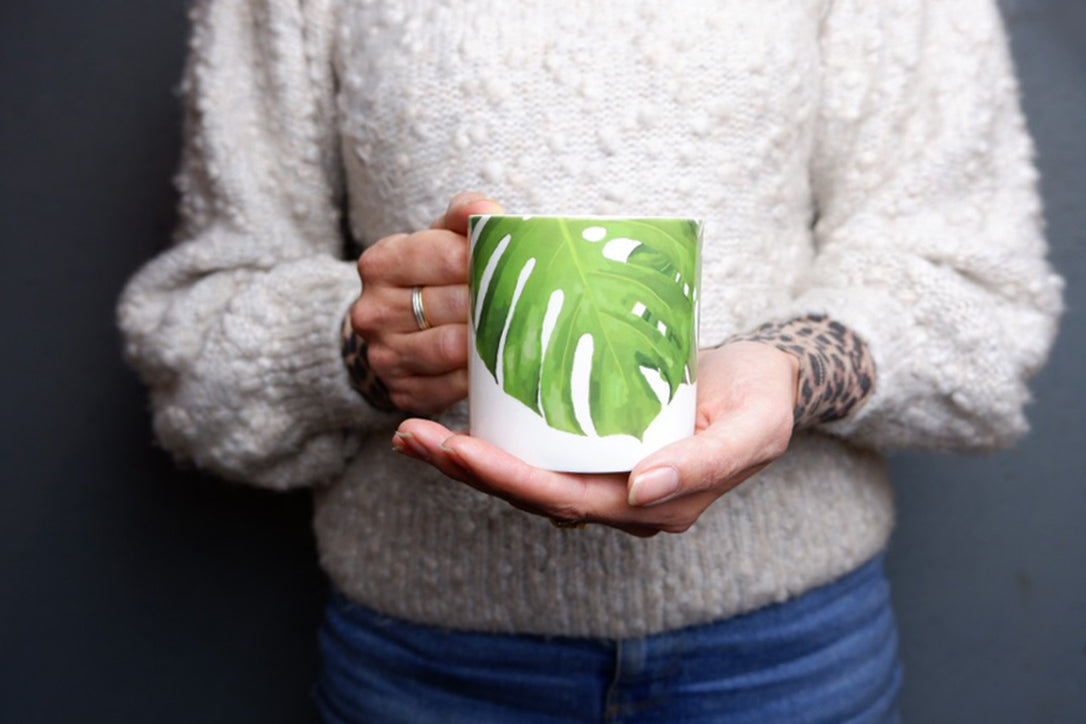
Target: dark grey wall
<point x="131" y="591"/>
<point x="988" y="563"/>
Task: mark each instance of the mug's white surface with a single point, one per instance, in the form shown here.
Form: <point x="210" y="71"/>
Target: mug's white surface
<point x="507" y="422"/>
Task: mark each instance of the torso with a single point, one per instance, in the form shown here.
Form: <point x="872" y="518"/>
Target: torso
<point x="704" y="109"/>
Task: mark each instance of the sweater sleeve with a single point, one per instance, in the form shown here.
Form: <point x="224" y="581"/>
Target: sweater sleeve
<point x="235" y="328"/>
<point x="928" y="236"/>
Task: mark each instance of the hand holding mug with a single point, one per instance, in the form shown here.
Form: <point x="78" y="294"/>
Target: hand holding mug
<point x="413" y="310"/>
<point x="746" y="395"/>
<point x="414" y="315"/>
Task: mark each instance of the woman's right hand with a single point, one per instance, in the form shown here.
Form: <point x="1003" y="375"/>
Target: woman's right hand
<point x="425" y="370"/>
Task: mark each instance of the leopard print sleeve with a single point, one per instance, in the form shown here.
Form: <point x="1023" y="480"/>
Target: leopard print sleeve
<point x="836" y="371"/>
<point x="362" y="378"/>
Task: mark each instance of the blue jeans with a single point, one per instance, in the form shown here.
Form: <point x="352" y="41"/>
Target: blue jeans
<point x="829" y="655"/>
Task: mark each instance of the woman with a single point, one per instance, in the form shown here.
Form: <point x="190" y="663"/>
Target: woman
<point x="870" y="207"/>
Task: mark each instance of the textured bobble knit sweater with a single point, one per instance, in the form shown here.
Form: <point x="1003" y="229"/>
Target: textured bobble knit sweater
<point x="863" y="160"/>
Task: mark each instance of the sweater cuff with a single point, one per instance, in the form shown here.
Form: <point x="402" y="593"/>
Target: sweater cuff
<point x="268" y="398"/>
<point x="836" y="369"/>
<point x="362" y="377"/>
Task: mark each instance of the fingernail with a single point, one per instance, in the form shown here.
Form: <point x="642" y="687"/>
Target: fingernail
<point x="453" y="456"/>
<point x="654" y="486"/>
<point x="411" y="446"/>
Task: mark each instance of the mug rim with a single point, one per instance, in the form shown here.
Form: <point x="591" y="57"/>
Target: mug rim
<point x="590" y="217"/>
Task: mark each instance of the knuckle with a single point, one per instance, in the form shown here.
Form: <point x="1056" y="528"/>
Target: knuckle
<point x="459" y="384"/>
<point x="679" y="520"/>
<point x="451" y="346"/>
<point x="450" y="254"/>
<point x="377" y="315"/>
<point x="459" y="303"/>
<point x="677" y="526"/>
<point x="374" y="262"/>
<point x="465" y="197"/>
<point x="384" y="361"/>
<point x="422" y="396"/>
<point x="462" y="199"/>
<point x="364" y="320"/>
<point x="566" y="511"/>
<point x="391" y="240"/>
<point x="457" y="259"/>
<point x="402" y="400"/>
<point x="369" y="264"/>
<point x="358" y="319"/>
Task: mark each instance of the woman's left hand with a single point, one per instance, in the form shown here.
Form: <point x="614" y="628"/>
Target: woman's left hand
<point x="746" y="397"/>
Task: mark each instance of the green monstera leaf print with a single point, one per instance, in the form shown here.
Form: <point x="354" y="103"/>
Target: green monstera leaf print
<point x="551" y="292"/>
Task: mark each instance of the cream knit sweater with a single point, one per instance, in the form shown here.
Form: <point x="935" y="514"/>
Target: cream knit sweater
<point x="865" y="160"/>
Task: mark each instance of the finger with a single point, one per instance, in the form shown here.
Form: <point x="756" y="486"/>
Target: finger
<point x="433" y="257"/>
<point x="464" y="197"/>
<point x="426" y="437"/>
<point x="423" y="440"/>
<point x="442" y="305"/>
<point x="597" y="498"/>
<point x="594" y="498"/>
<point x="407" y="444"/>
<point x="429" y="395"/>
<point x="467" y="204"/>
<point x="591" y="498"/>
<point x="422" y="353"/>
<point x="383" y="311"/>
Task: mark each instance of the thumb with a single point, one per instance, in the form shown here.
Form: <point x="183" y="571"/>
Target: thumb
<point x="715" y="458"/>
<point x="679" y="469"/>
<point x="464" y="205"/>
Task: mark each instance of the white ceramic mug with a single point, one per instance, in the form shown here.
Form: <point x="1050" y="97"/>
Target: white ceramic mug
<point x="584" y="337"/>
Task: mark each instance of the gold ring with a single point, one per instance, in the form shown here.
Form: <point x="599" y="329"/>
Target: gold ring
<point x="418" y="309"/>
<point x="568" y="524"/>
